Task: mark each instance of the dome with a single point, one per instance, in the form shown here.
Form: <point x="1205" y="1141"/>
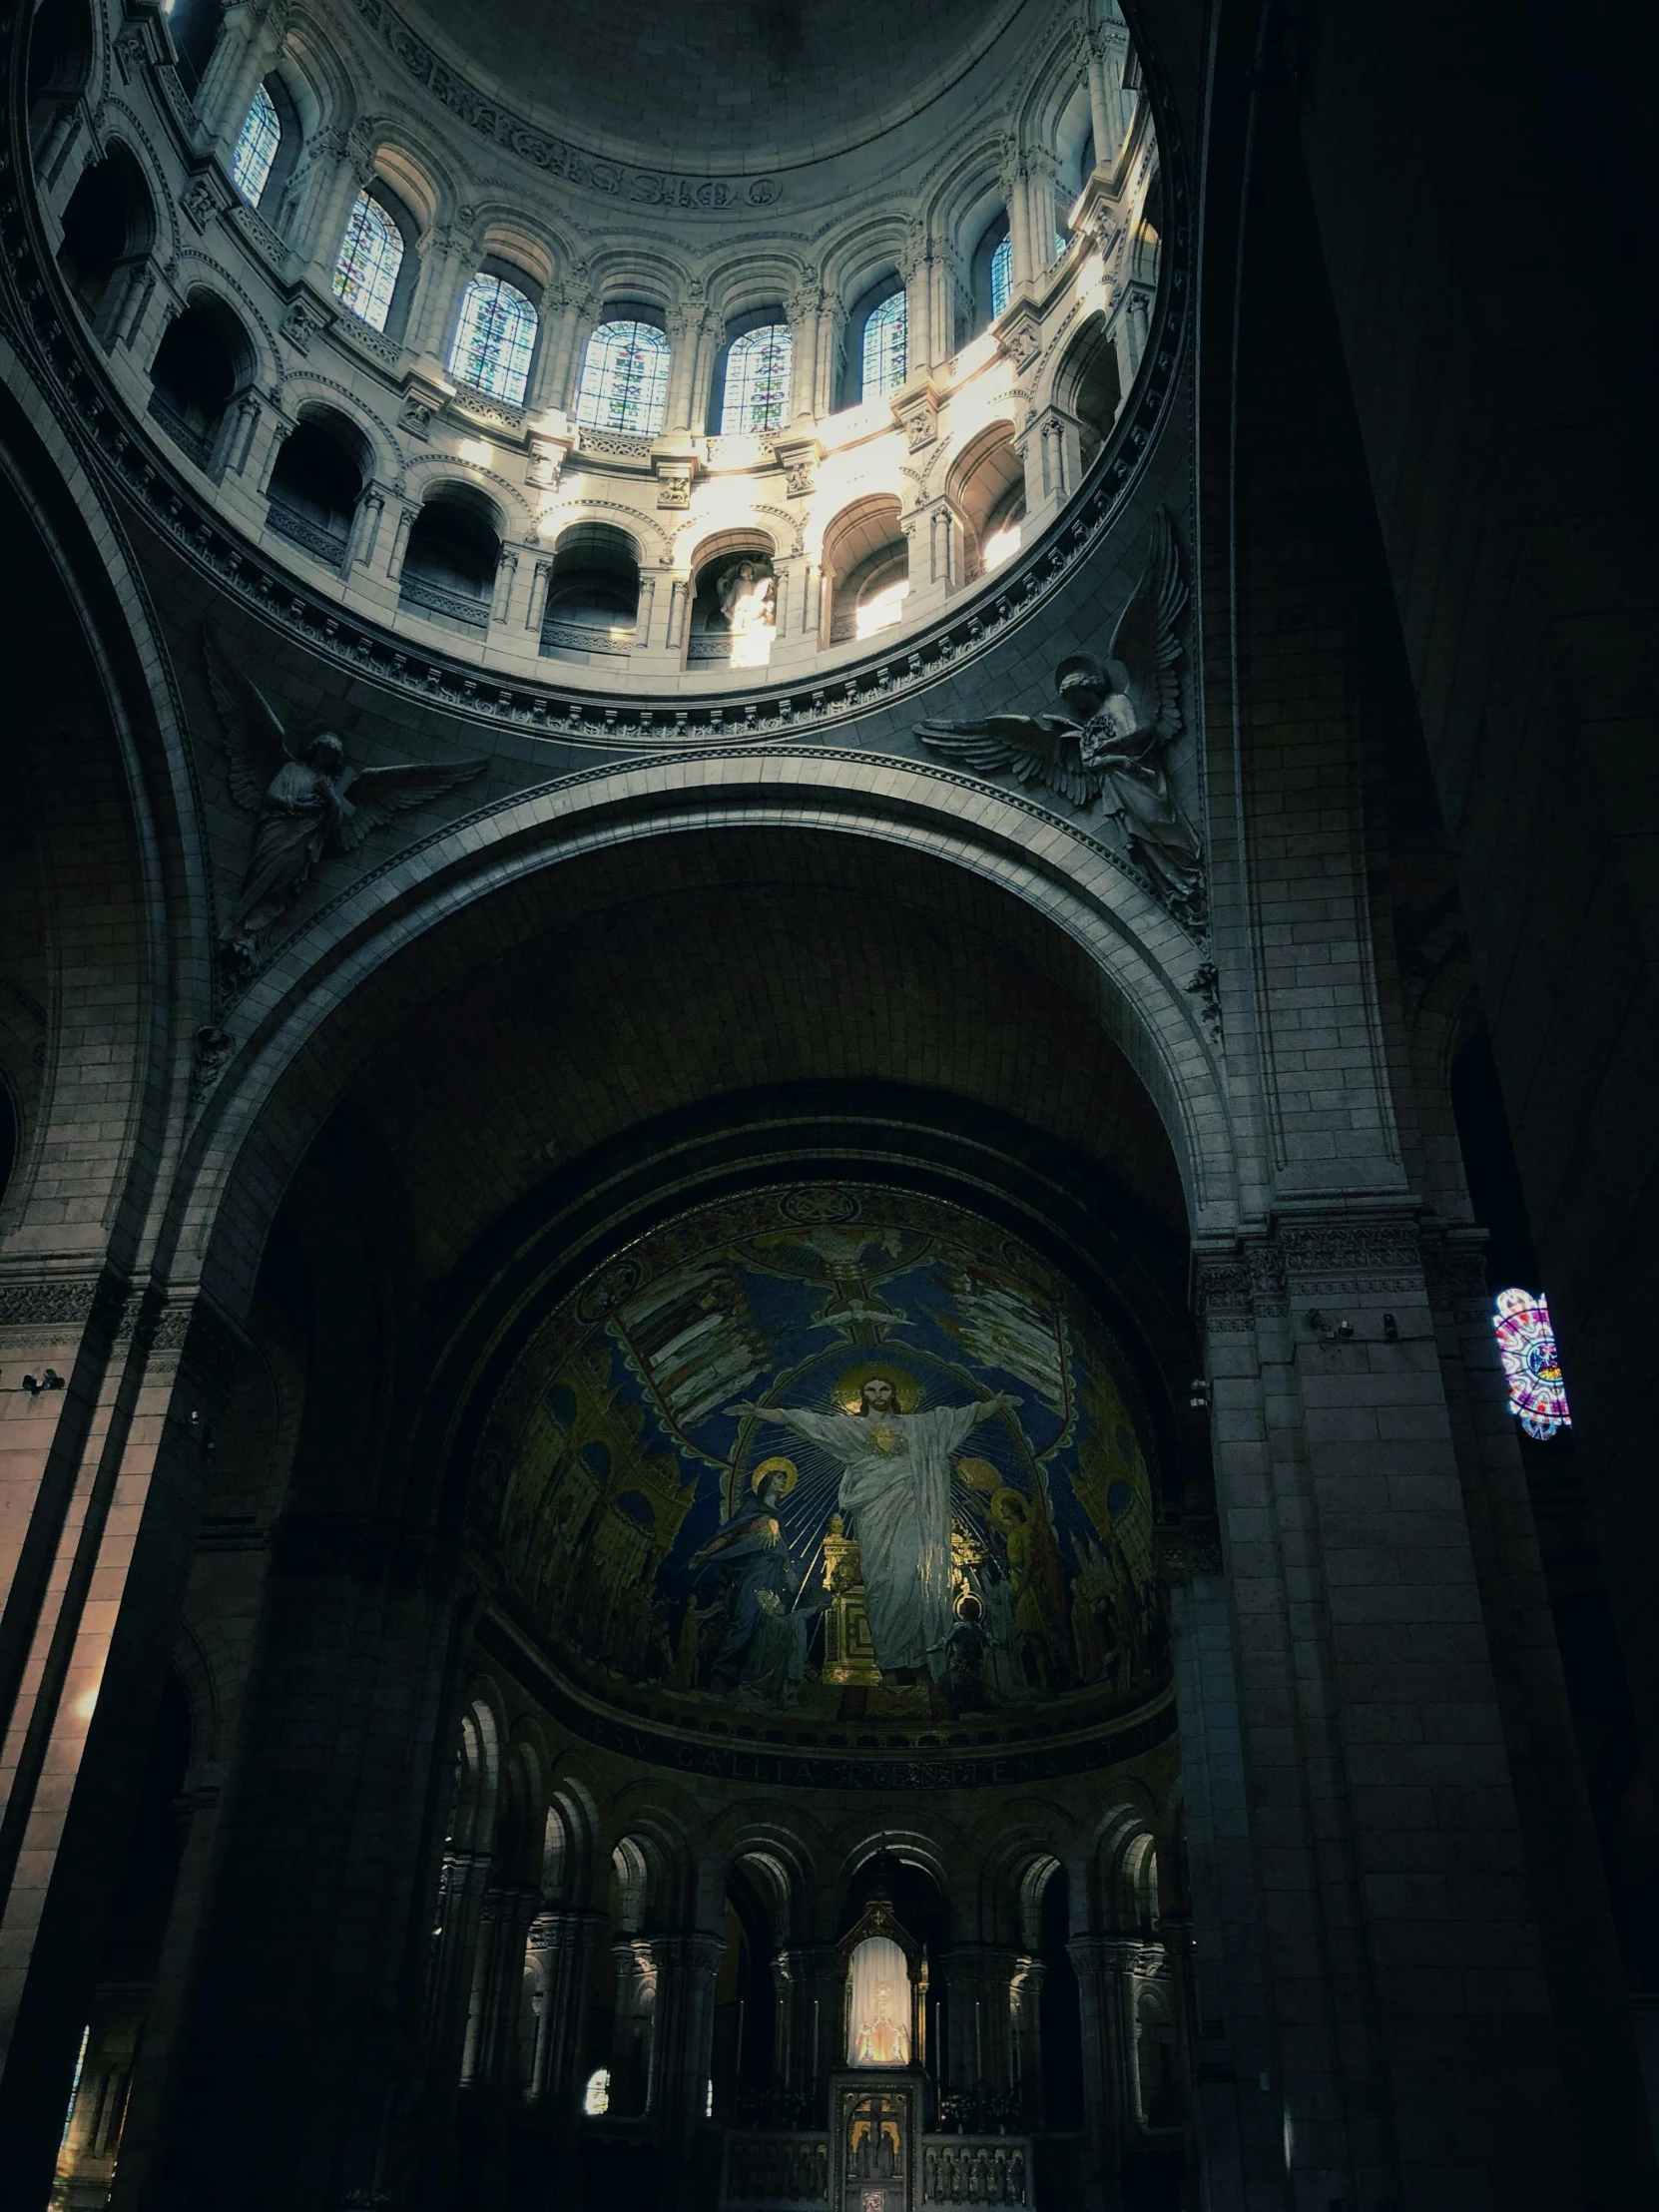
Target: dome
<point x="739" y="85"/>
<point x="725" y="360"/>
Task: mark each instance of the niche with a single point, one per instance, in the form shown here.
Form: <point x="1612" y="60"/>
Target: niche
<point x="867" y="560"/>
<point x="593" y="595"/>
<point x="202" y="361"/>
<point x="987" y="488"/>
<point x="316" y="483"/>
<point x="1089" y="387"/>
<point x="734" y="607"/>
<point x="453" y="552"/>
<point x="59" y="62"/>
<point x="109" y="228"/>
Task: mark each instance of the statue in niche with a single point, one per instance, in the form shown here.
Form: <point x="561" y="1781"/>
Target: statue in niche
<point x="1108" y="744"/>
<point x="748" y="597"/>
<point x="310" y="802"/>
<point x="896" y="1484"/>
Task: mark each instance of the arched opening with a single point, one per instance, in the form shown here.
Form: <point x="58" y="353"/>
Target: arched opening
<point x="109" y="228"/>
<point x="625" y="371"/>
<point x="321" y="467"/>
<point x="875" y="359"/>
<point x="734" y="605"/>
<point x="1059" y="2011"/>
<point x="750" y="391"/>
<point x="494" y="347"/>
<point x="59" y="62"/>
<point x="450" y="563"/>
<point x="990" y="271"/>
<point x="741" y="2076"/>
<point x="268" y="147"/>
<point x="987" y="488"/>
<point x="378" y="267"/>
<point x="866" y="564"/>
<point x="1089" y="385"/>
<point x="193" y="27"/>
<point x="593" y="595"/>
<point x="204" y="360"/>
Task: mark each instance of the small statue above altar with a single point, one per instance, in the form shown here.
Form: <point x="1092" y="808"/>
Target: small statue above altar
<point x="878" y="2014"/>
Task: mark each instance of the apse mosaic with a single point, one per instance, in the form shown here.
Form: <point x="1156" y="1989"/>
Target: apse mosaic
<point x="829" y="1455"/>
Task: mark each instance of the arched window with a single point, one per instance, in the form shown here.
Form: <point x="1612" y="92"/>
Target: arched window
<point x="887" y="345"/>
<point x="1531" y="1363"/>
<point x="596" y="2097"/>
<point x="495" y="340"/>
<point x="624" y="380"/>
<point x="261" y="134"/>
<point x="757" y="381"/>
<point x="366" y="275"/>
<point x="1003" y="276"/>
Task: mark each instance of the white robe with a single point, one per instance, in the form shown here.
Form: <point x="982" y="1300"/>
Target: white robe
<point x="896" y="1485"/>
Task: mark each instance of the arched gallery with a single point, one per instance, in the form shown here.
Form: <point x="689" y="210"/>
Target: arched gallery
<point x="828" y="1172"/>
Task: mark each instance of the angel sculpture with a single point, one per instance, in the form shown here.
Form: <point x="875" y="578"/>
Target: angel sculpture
<point x="1117" y="719"/>
<point x="308" y="802"/>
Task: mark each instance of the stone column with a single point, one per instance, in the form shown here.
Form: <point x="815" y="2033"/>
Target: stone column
<point x="111" y="1401"/>
<point x="804" y="312"/>
<point x="341" y="169"/>
<point x="250" y="38"/>
<point x="453" y="1969"/>
<point x="687" y="1967"/>
<point x="495" y="2054"/>
<point x="918" y="273"/>
<point x="559" y="372"/>
<point x="446" y="262"/>
<point x="563" y="1943"/>
<point x="1025" y="1998"/>
<point x="1105" y="2076"/>
<point x="407" y="517"/>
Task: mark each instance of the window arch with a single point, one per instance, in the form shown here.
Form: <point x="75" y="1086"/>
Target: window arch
<point x="495" y="339"/>
<point x="1003" y="276"/>
<point x="990" y="275"/>
<point x="757" y="393"/>
<point x="255" y="148"/>
<point x="625" y="379"/>
<point x="365" y="275"/>
<point x="887" y="345"/>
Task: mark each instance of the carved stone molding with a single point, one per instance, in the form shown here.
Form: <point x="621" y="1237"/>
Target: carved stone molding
<point x="49" y="1304"/>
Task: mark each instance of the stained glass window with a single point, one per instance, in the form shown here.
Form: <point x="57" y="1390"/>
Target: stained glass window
<point x="757" y="381"/>
<point x="624" y="380"/>
<point x="887" y="345"/>
<point x="1003" y="276"/>
<point x="495" y="340"/>
<point x="261" y="134"/>
<point x="1531" y="1363"/>
<point x="366" y="275"/>
<point x="596" y="2097"/>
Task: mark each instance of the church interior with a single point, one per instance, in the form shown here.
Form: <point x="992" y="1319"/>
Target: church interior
<point x="829" y="1023"/>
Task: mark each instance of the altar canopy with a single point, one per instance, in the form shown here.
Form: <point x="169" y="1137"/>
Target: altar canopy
<point x="879" y="2020"/>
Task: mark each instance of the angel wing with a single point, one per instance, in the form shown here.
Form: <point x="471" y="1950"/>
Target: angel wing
<point x="1034" y="748"/>
<point x="256" y="743"/>
<point x="377" y="793"/>
<point x="1146" y="645"/>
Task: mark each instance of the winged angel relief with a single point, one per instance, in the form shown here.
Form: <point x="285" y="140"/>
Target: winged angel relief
<point x="1117" y="720"/>
<point x="308" y="801"/>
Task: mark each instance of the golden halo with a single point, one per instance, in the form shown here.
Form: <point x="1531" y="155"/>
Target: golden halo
<point x="785" y="1467"/>
<point x="849" y="1387"/>
<point x="1008" y="1507"/>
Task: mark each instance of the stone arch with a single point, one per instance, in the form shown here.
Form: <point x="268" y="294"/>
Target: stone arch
<point x="986" y="486"/>
<point x="109" y="235"/>
<point x="867" y="566"/>
<point x="1126" y="940"/>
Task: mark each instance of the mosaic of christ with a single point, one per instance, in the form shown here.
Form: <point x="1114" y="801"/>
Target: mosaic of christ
<point x="823" y="1456"/>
